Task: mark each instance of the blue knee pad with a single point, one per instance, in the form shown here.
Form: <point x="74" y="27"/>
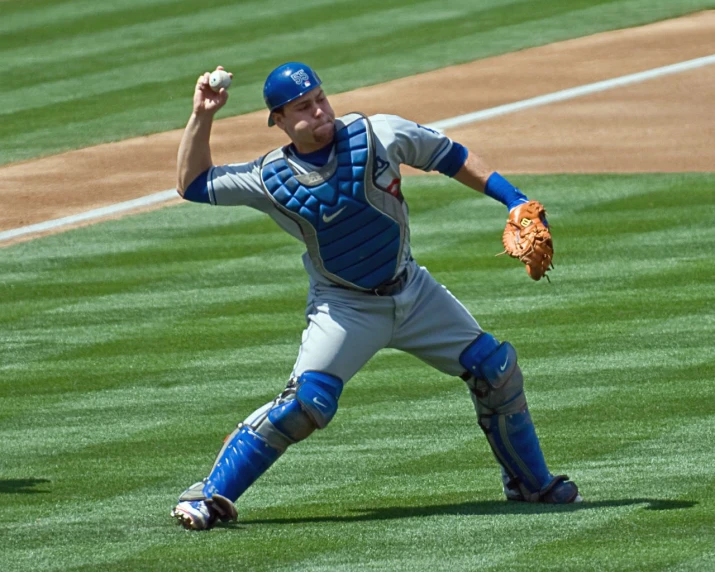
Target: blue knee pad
<point x="485" y="358"/>
<point x="497" y="388"/>
<point x="318" y="394"/>
<point x="314" y="405"/>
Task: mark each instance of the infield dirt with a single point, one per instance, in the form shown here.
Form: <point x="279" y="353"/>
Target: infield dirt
<point x="661" y="125"/>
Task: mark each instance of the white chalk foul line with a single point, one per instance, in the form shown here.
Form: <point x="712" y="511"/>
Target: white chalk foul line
<point x="573" y="92"/>
<point x="562" y="95"/>
<point x="161" y="197"/>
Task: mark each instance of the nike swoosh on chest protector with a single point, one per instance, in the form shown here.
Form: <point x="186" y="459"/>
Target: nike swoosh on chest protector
<point x="329" y="218"/>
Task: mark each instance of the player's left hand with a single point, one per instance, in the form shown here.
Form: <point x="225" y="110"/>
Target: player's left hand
<point x="528" y="238"/>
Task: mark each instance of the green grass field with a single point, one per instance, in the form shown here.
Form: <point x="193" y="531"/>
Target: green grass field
<point x="130" y="349"/>
<point x="81" y="72"/>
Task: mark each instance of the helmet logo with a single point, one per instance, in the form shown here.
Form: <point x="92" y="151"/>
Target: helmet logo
<point x="301" y="78"/>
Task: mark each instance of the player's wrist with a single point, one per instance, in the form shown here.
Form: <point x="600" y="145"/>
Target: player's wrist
<point x="501" y="190"/>
<point x="204" y="113"/>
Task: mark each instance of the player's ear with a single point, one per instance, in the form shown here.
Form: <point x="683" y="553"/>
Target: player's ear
<point x="279" y="118"/>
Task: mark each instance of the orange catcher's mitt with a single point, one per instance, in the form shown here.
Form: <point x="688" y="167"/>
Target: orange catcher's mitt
<point x="527" y="237"/>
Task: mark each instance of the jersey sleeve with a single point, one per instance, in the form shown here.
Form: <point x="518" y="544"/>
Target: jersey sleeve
<point x="425" y="148"/>
<point x="236" y="184"/>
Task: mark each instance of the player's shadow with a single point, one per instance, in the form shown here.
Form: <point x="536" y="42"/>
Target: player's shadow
<point x="486" y="508"/>
<point x="22" y="486"/>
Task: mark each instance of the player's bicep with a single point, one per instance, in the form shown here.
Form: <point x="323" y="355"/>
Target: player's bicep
<point x="233" y="185"/>
<point x="420" y="146"/>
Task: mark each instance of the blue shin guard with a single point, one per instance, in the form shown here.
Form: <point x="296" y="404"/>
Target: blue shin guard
<point x="244" y="458"/>
<point x="497" y="388"/>
<point x="515" y="445"/>
<point x="308" y="403"/>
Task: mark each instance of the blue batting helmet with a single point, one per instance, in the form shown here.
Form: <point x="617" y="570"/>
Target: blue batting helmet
<point x="286" y="83"/>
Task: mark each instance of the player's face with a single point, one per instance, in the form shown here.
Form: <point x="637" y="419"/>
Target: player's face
<point x="308" y="121"/>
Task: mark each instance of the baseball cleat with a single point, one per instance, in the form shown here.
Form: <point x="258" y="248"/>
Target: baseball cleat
<point x="194" y="515"/>
<point x="223" y="508"/>
<point x="559" y="491"/>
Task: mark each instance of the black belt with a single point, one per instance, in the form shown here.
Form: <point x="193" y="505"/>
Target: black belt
<point x="388" y="288"/>
<point x="393" y="286"/>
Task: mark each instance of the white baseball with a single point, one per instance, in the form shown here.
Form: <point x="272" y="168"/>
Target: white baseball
<point x="219" y="79"/>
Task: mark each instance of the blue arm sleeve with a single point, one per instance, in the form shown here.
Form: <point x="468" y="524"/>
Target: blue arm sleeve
<point x="500" y="189"/>
<point x="453" y="161"/>
<point x="198" y="190"/>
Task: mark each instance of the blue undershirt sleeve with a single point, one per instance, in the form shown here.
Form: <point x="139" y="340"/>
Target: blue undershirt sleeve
<point x="501" y="190"/>
<point x="453" y="161"/>
<point x="198" y="190"/>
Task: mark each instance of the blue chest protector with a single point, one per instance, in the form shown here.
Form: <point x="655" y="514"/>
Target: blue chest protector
<point x="354" y="232"/>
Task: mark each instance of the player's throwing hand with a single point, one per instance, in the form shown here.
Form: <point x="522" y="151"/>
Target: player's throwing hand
<point x="206" y="100"/>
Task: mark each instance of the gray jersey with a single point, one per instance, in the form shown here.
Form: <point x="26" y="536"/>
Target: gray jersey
<point x="397" y="142"/>
<point x="346" y="327"/>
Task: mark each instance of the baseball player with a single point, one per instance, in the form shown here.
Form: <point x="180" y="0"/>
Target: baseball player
<point x="336" y="188"/>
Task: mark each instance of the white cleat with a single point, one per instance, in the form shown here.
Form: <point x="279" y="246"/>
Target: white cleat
<point x="194" y="515"/>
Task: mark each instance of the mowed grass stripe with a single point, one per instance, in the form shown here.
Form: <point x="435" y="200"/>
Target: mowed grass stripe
<point x="125" y="57"/>
<point x="117" y="74"/>
<point x="443" y="517"/>
<point x="152" y="51"/>
<point x="35" y="18"/>
<point x="421" y="416"/>
<point x="103" y="429"/>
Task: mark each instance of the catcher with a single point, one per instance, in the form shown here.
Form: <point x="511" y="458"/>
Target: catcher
<point x="336" y="187"/>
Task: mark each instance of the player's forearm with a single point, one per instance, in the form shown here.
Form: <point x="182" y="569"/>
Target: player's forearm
<point x="194" y="151"/>
<point x="474" y="173"/>
<point x="477" y="175"/>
